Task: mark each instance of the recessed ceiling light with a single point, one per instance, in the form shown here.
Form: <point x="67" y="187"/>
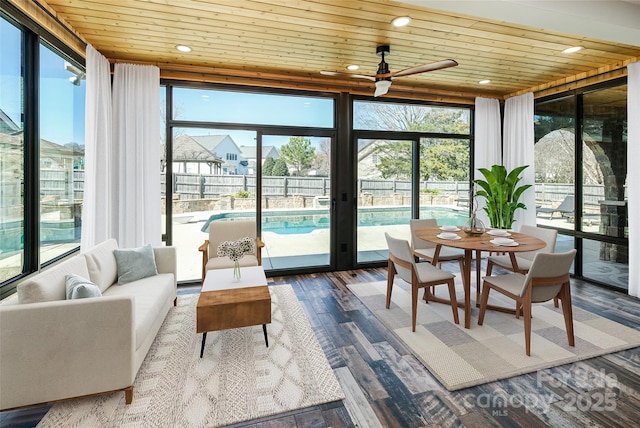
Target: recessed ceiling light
<point x="183" y="48"/>
<point x="353" y="67"/>
<point x="572" y="49"/>
<point x="401" y="21"/>
<point x="484" y="82"/>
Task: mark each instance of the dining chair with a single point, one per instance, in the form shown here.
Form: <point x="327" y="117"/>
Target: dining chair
<point x="229" y="230"/>
<point x="418" y="275"/>
<point x="525" y="259"/>
<point x="425" y="249"/>
<point x="548" y="278"/>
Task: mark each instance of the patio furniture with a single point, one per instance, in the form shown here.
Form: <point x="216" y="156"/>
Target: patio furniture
<point x="566" y="208"/>
<point x="419" y="275"/>
<point x="229" y="230"/>
<point x="548" y="278"/>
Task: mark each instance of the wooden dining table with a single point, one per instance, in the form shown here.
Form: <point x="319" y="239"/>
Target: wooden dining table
<point x="478" y="244"/>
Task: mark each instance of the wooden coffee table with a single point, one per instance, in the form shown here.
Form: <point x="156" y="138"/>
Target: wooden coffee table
<point x="225" y="304"/>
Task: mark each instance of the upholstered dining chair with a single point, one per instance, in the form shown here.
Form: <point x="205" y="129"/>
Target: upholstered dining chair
<point x="425" y="249"/>
<point x="548" y="278"/>
<point x="229" y="230"/>
<point x="525" y="259"/>
<point x="418" y="275"/>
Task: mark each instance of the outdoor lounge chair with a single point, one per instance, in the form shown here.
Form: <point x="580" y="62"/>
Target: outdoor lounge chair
<point x="566" y="207"/>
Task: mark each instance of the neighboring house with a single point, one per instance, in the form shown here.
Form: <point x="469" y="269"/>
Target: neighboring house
<point x="191" y="157"/>
<point x="8" y="126"/>
<point x="225" y="149"/>
<point x="369" y="158"/>
<point x="248" y="154"/>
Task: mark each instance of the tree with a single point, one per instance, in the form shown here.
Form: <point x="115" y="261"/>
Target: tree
<point x="395" y="160"/>
<point x="445" y="160"/>
<point x="412" y="117"/>
<point x="267" y="166"/>
<point x="280" y="168"/>
<point x="299" y="153"/>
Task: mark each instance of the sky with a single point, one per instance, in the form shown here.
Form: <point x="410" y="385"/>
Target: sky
<point x="259" y="109"/>
<point x="61" y="103"/>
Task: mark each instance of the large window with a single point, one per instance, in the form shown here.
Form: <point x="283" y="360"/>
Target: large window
<point x="62" y="92"/>
<point x="11" y="152"/>
<point x="41" y="152"/>
<point x="413" y="162"/>
<point x="238" y="155"/>
<point x="581" y="179"/>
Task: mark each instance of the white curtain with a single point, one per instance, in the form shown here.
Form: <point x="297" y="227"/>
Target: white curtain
<point x="518" y="150"/>
<point x="488" y="142"/>
<point x="633" y="175"/>
<point x="98" y="189"/>
<point x="136" y="134"/>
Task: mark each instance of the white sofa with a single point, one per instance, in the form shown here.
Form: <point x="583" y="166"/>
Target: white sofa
<point x="52" y="348"/>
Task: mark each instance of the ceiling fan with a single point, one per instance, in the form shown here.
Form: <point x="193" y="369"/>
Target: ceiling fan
<point x="383" y="76"/>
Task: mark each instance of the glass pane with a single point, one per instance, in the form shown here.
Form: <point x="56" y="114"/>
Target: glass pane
<point x="555" y="161"/>
<point x="604" y="167"/>
<point x="296" y="202"/>
<point x="11" y="153"/>
<point x="244" y="107"/>
<point x="212" y="181"/>
<point x="62" y="96"/>
<point x="606" y="263"/>
<point x="384" y="195"/>
<point x="411" y="117"/>
<point x="444" y="180"/>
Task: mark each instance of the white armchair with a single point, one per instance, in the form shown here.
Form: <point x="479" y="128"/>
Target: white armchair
<point x="229" y="230"/>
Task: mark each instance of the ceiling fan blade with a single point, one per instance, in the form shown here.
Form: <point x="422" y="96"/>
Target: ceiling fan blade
<point x="425" y="67"/>
<point x="357" y="76"/>
<point x="382" y="87"/>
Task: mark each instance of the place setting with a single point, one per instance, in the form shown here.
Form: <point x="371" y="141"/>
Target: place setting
<point x="504" y="242"/>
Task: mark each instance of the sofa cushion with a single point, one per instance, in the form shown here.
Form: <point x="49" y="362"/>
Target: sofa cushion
<point x="149" y="295"/>
<point x="101" y="262"/>
<point x="80" y="288"/>
<point x="135" y="263"/>
<point x="50" y="284"/>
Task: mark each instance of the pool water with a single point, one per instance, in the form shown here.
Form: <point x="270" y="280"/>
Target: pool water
<point x="307" y="221"/>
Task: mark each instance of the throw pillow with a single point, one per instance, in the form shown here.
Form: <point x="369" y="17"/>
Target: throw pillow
<point x="135" y="263"/>
<point x="80" y="288"/>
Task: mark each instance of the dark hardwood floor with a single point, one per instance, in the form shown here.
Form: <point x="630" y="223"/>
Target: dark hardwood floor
<point x="398" y="391"/>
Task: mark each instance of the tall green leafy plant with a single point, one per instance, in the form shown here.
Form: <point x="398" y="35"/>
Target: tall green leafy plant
<point x="502" y="193"/>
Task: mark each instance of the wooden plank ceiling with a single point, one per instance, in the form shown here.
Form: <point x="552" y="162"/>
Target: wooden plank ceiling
<point x="286" y="43"/>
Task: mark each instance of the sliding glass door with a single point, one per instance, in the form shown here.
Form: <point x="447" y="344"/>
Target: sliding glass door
<point x="296" y="200"/>
<point x="384" y="201"/>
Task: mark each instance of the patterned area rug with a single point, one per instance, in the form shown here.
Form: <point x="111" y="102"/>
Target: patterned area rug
<point x="238" y="378"/>
<point x="460" y="358"/>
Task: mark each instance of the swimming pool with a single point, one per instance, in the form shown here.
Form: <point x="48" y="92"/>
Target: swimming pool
<point x="307" y="221"/>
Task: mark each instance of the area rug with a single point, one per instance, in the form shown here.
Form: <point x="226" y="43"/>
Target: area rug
<point x="237" y="379"/>
<point x="461" y="358"/>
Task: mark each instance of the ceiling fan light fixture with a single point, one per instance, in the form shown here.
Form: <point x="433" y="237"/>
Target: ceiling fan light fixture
<point x="572" y="49"/>
<point x="382" y="87"/>
<point x="401" y="21"/>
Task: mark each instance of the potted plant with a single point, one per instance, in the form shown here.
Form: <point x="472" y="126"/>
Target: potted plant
<point x="502" y="193"/>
